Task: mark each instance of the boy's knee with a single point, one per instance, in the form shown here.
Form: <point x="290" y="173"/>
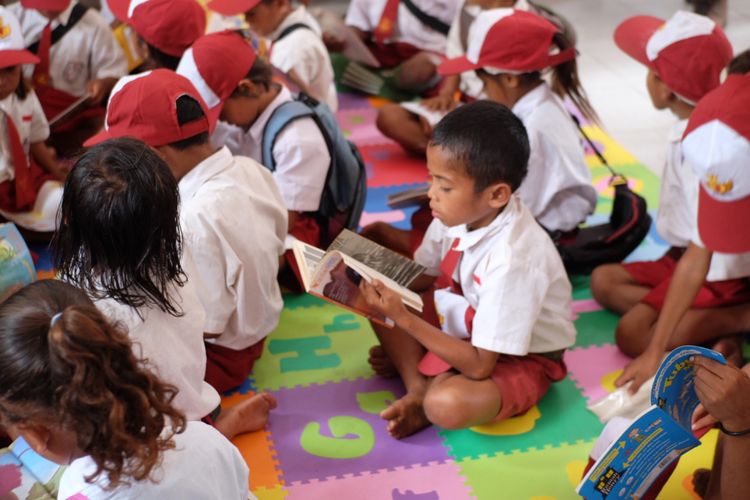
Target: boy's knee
<point x="442" y="408"/>
<point x="633" y="333"/>
<point x="388" y="117"/>
<point x="603" y="281"/>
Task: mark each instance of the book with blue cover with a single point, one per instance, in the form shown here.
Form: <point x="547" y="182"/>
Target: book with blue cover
<point x="26" y="475"/>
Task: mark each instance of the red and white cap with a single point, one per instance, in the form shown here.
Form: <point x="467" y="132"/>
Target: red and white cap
<point x="12" y="48"/>
<point x="509" y="41"/>
<point x="144" y="106"/>
<point x="232" y="7"/>
<point x="169" y="25"/>
<point x="688" y="52"/>
<point x="51" y="5"/>
<point x="717" y="146"/>
<point x="215" y="64"/>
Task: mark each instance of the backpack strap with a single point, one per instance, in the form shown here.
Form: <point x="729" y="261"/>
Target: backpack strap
<point x="426" y="19"/>
<point x="62" y="29"/>
<point x="277" y="122"/>
<point x="291" y="29"/>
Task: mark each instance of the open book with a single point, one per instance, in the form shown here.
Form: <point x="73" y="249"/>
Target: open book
<point x="25" y="474"/>
<point x="79" y="105"/>
<point x="354" y="48"/>
<point x="335" y="274"/>
<point x="409" y="197"/>
<point x="656" y="438"/>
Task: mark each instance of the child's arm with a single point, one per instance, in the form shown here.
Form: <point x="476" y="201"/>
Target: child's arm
<point x="422" y="283"/>
<point x="444" y="101"/>
<point x="99" y="89"/>
<point x="471" y="361"/>
<point x="689" y="275"/>
<point x="45" y="157"/>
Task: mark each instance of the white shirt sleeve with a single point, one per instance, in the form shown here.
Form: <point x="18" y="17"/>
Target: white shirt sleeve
<point x="293" y="54"/>
<point x="532" y="187"/>
<point x="430" y="251"/>
<point x="357" y="14"/>
<point x="107" y="57"/>
<point x="39" y="130"/>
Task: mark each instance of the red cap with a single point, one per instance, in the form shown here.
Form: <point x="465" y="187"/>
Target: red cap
<point x="216" y="64"/>
<point x="52" y="5"/>
<point x="232" y="7"/>
<point x="169" y="25"/>
<point x="688" y="52"/>
<point x="144" y="106"/>
<point x="717" y="146"/>
<point x="12" y="47"/>
<point x="508" y="41"/>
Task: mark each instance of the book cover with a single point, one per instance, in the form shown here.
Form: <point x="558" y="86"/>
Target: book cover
<point x="26" y="475"/>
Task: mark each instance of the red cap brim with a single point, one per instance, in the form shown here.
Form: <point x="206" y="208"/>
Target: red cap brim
<point x="98" y="138"/>
<point x="10" y="58"/>
<point x="632" y="36"/>
<point x="53" y="5"/>
<point x="232" y="7"/>
<point x="724" y="226"/>
<point x="457" y="66"/>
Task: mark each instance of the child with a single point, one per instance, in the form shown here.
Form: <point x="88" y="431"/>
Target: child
<point x="82" y="59"/>
<point x="685" y="57"/>
<point x="502" y="299"/>
<point x="26" y="163"/>
<point x="163" y="29"/>
<point x="120" y="241"/>
<point x="236" y="262"/>
<point x="297" y="47"/>
<point x="71" y="386"/>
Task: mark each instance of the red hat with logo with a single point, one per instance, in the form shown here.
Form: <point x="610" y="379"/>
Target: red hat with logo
<point x="51" y="5"/>
<point x="717" y="146"/>
<point x="232" y="7"/>
<point x="688" y="52"/>
<point x="169" y="25"/>
<point x="144" y="106"/>
<point x="215" y="64"/>
<point x="509" y="41"/>
<point x="12" y="48"/>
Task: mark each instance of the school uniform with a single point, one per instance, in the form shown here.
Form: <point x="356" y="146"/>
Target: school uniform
<point x="203" y="465"/>
<point x="303" y="51"/>
<point x="234" y="223"/>
<point x="172" y="345"/>
<point x="504" y="288"/>
<point x="558" y="187"/>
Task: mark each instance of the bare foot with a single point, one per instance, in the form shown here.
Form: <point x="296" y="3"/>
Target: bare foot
<point x="380" y="362"/>
<point x="405" y="416"/>
<point x="701" y="478"/>
<point x="248" y="416"/>
<point x="731" y="348"/>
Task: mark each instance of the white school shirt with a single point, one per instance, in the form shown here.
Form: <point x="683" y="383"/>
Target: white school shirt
<point x="31" y="124"/>
<point x="557" y="189"/>
<point x="365" y="15"/>
<point x="234" y="222"/>
<point x="89" y="51"/>
<point x="203" y="465"/>
<point x="173" y="346"/>
<point x="512" y="275"/>
<point x="304" y="52"/>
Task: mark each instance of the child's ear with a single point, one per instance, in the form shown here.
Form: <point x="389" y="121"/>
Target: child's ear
<point x="499" y="194"/>
<point x="248" y="88"/>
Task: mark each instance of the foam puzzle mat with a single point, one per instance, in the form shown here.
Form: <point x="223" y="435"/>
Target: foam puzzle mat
<point x="326" y="441"/>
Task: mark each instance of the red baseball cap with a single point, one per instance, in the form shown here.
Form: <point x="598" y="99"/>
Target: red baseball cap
<point x="509" y="41"/>
<point x="717" y="146"/>
<point x="169" y="25"/>
<point x="144" y="106"/>
<point x="688" y="52"/>
<point x="53" y="5"/>
<point x="215" y="64"/>
<point x="232" y="7"/>
<point x="12" y="47"/>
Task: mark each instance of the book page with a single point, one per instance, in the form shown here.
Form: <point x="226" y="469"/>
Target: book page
<point x="308" y="257"/>
<point x="386" y="262"/>
<point x="354" y="48"/>
<point x="410" y="298"/>
<point x="416" y="107"/>
<point x="409" y="197"/>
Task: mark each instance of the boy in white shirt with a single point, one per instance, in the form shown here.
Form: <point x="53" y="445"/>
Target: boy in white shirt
<point x="502" y="319"/>
<point x="236" y="262"/>
<point x="297" y="48"/>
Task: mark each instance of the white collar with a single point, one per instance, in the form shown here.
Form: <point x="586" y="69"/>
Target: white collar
<point x="528" y="103"/>
<point x="469" y="239"/>
<point x="677" y="131"/>
<point x="191" y="183"/>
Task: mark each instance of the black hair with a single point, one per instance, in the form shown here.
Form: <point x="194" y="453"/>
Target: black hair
<point x="740" y="64"/>
<point x="119" y="235"/>
<point x="162" y="59"/>
<point x="23" y="87"/>
<point x="189" y="110"/>
<point x="488" y="140"/>
<point x="261" y="73"/>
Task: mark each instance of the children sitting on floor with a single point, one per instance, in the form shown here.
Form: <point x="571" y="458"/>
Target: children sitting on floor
<point x="236" y="262"/>
<point x="494" y="340"/>
<point x="26" y="163"/>
<point x="79" y="57"/>
<point x="120" y="241"/>
<point x="72" y="388"/>
<point x="297" y="48"/>
<point x="685" y="57"/>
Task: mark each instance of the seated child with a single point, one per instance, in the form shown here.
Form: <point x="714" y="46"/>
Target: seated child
<point x="72" y="388"/>
<point x="297" y="48"/>
<point x="120" y="241"/>
<point x="685" y="57"/>
<point x="162" y="30"/>
<point x="236" y="259"/>
<point x="501" y="319"/>
<point x="84" y="60"/>
<point x="26" y="163"/>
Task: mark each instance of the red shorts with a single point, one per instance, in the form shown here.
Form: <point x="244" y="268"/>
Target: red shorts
<point x="657" y="275"/>
<point x="228" y="368"/>
<point x="390" y="55"/>
<point x="9" y="197"/>
<point x="521" y="380"/>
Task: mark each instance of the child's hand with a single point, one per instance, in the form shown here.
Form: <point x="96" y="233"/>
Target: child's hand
<point x="724" y="390"/>
<point x="332" y="43"/>
<point x="441" y="102"/>
<point x="701" y="418"/>
<point x="383" y="300"/>
<point x="640" y="370"/>
<point x="96" y="89"/>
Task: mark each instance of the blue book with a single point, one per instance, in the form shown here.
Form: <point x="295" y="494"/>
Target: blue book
<point x="26" y="474"/>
